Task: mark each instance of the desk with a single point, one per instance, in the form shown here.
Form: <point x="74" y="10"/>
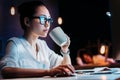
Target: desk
<point x="78" y="77"/>
<point x="81" y="76"/>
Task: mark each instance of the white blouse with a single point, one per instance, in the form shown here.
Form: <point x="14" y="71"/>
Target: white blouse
<point x="19" y="53"/>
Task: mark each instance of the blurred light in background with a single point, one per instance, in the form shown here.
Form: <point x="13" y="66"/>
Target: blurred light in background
<point x="108" y="14"/>
<point x="102" y="49"/>
<point x="12" y="10"/>
<point x="60" y="21"/>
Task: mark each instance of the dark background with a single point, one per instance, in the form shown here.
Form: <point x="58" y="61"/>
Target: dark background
<point x="86" y="22"/>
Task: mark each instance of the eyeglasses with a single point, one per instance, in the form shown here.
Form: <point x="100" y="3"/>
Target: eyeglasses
<point x="43" y="19"/>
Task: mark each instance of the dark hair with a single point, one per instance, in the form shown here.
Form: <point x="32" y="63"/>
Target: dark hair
<point x="81" y="52"/>
<point x="27" y="9"/>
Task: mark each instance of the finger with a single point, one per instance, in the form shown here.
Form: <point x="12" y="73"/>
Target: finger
<point x="64" y="70"/>
<point x="73" y="69"/>
<point x="69" y="68"/>
<point x="57" y="71"/>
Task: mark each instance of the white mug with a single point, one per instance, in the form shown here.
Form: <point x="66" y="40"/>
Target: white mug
<point x="58" y="36"/>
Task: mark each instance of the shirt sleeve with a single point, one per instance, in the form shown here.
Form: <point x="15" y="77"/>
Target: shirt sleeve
<point x="10" y="59"/>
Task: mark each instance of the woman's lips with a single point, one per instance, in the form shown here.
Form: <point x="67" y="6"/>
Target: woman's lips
<point x="46" y="30"/>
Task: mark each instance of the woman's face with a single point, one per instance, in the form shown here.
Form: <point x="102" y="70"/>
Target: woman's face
<point x="87" y="58"/>
<point x="40" y="24"/>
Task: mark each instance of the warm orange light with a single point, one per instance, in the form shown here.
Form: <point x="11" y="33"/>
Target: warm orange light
<point x="60" y="20"/>
<point x="102" y="49"/>
<point x="12" y="10"/>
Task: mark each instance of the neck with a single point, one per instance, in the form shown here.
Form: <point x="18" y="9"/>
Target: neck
<point x="31" y="38"/>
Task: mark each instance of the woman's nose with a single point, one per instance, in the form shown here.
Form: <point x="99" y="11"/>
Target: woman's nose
<point x="47" y="24"/>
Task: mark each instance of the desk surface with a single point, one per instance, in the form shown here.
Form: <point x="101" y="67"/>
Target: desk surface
<point x="78" y="77"/>
<point x="114" y="75"/>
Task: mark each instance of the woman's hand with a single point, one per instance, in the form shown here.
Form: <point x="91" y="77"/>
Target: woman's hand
<point x="110" y="60"/>
<point x="64" y="48"/>
<point x="62" y="70"/>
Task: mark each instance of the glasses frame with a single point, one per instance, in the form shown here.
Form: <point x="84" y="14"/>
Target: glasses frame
<point x="43" y="19"/>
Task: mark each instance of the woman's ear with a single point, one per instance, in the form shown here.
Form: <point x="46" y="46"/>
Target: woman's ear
<point x="27" y="21"/>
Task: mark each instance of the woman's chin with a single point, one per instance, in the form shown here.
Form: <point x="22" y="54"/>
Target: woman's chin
<point x="43" y="35"/>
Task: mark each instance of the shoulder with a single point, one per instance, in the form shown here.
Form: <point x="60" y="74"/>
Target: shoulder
<point x="13" y="39"/>
<point x="99" y="58"/>
<point x="12" y="46"/>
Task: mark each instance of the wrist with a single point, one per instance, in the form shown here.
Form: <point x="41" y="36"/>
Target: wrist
<point x="65" y="53"/>
<point x="48" y="72"/>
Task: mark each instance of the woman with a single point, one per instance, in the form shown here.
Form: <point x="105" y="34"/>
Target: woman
<point x="29" y="56"/>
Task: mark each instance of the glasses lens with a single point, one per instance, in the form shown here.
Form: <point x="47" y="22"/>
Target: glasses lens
<point x="50" y="20"/>
<point x="42" y="20"/>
